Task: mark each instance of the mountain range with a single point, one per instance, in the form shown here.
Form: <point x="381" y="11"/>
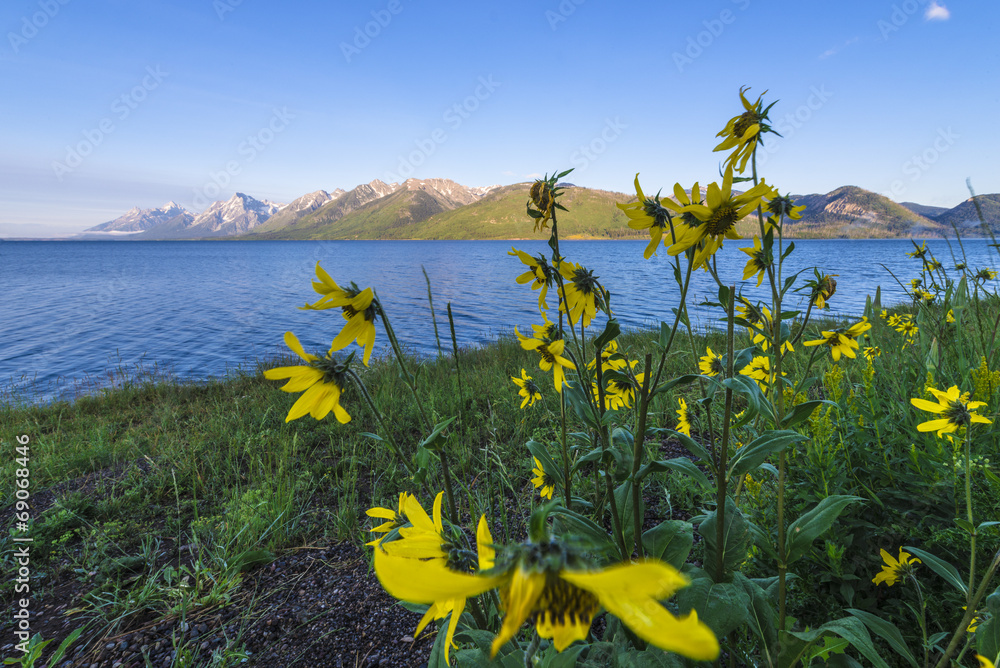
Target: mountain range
<point x="443" y="209"/>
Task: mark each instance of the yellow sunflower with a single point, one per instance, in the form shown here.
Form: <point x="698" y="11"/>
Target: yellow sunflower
<point x="551" y="356"/>
<point x="758" y="263"/>
<point x="529" y="390"/>
<point x="582" y="292"/>
<point x="955" y="409"/>
<point x="322" y="380"/>
<point x="683" y="418"/>
<point x="893" y="570"/>
<point x="539" y="271"/>
<point x="359" y="310"/>
<point x="542" y="481"/>
<point x="394" y="519"/>
<point x="716" y="218"/>
<point x="647" y="213"/>
<point x="842" y="341"/>
<point x="741" y="132"/>
<point x="436" y="582"/>
<point x="711" y="364"/>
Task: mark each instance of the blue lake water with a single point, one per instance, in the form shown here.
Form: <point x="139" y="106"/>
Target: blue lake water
<point x="74" y="313"/>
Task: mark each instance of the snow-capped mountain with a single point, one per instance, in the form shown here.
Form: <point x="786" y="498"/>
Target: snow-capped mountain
<point x="139" y="220"/>
<point x="239" y="214"/>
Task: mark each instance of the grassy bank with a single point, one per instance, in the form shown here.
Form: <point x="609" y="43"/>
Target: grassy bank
<point x="156" y="505"/>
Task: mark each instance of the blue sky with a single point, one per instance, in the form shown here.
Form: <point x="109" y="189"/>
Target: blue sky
<point x="119" y="103"/>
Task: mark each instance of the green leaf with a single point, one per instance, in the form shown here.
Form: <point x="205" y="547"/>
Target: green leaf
<point x="623" y="499"/>
<point x="680" y="464"/>
<point x="942" y="568"/>
<point x="813" y="524"/>
<point x="722" y="606"/>
<point x="753" y="454"/>
<point x="988" y="637"/>
<point x="803" y="412"/>
<point x="966" y="526"/>
<point x="670" y="541"/>
<point x="692" y="445"/>
<point x="761" y="613"/>
<point x="611" y="331"/>
<point x="566" y="522"/>
<point x="540" y="452"/>
<point x="853" y="631"/>
<point x="576" y="398"/>
<point x="435" y="441"/>
<point x="886" y="630"/>
<point x="683" y="380"/>
<point x="664" y="334"/>
<point x="735" y="540"/>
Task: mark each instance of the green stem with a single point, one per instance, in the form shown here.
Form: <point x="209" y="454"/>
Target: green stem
<point x="638" y="441"/>
<point x="430" y="300"/>
<point x="970" y="612"/>
<point x="673" y="330"/>
<point x="968" y="509"/>
<point x="381" y="421"/>
<point x="721" y="477"/>
<point x="922" y="620"/>
<point x="407" y="377"/>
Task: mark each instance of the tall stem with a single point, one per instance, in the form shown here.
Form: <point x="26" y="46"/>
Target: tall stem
<point x="638" y="443"/>
<point x="721" y="477"/>
<point x="381" y="421"/>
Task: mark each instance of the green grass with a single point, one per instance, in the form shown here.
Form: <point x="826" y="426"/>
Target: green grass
<point x="165" y="465"/>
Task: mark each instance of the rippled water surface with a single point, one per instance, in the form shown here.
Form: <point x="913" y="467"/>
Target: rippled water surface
<point x="78" y="312"/>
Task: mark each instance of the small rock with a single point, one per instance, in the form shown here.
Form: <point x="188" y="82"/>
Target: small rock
<point x="109" y="646"/>
<point x="406" y="639"/>
<point x="204" y="645"/>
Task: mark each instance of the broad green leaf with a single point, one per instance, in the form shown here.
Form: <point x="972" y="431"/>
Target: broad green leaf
<point x="568" y="523"/>
<point x="854" y="631"/>
<point x="435" y="441"/>
<point x="887" y="631"/>
<point x="540" y="452"/>
<point x="692" y="445"/>
<point x="988" y="637"/>
<point x="722" y="606"/>
<point x="803" y="412"/>
<point x="753" y="454"/>
<point x="578" y="400"/>
<point x="813" y="524"/>
<point x="623" y="498"/>
<point x="611" y="331"/>
<point x="669" y="541"/>
<point x="680" y="464"/>
<point x="941" y="567"/>
<point x="735" y="540"/>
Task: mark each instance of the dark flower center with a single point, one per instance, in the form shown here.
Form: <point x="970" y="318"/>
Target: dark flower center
<point x="562" y="603"/>
<point x="722" y="219"/>
<point x="747" y="119"/>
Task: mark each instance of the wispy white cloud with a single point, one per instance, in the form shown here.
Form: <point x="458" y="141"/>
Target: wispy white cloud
<point x="837" y="49"/>
<point x="936" y="12"/>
